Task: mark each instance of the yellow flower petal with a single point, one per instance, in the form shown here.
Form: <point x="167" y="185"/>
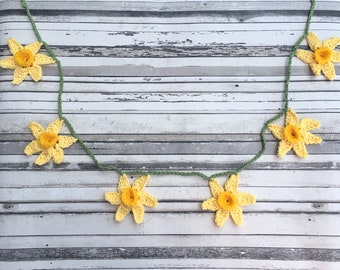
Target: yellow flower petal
<point x="8" y="63"/>
<point x="36" y="129"/>
<point x="313" y="41"/>
<point x="300" y="150"/>
<point x="276" y="130"/>
<point x="283" y="148"/>
<point x="66" y="141"/>
<point x="331" y="42"/>
<point x="220" y="217"/>
<point x="329" y="71"/>
<point x="245" y="198"/>
<point x="32" y="148"/>
<point x="309" y="124"/>
<point x="138" y="213"/>
<point x="122" y="211"/>
<point x="14" y="46"/>
<point x="236" y="215"/>
<point x="44" y="157"/>
<point x="232" y="183"/>
<point x="19" y="75"/>
<point x="35" y="72"/>
<point x="113" y="198"/>
<point x="305" y="56"/>
<point x="57" y="154"/>
<point x="55" y="126"/>
<point x="215" y="188"/>
<point x="291" y="118"/>
<point x="309" y="138"/>
<point x="33" y="47"/>
<point x="123" y="183"/>
<point x="210" y="204"/>
<point x="316" y="68"/>
<point x="42" y="59"/>
<point x="141" y="182"/>
<point x="148" y="200"/>
<point x="335" y="57"/>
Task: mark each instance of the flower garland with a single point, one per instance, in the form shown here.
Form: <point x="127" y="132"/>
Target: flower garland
<point x="295" y="135"/>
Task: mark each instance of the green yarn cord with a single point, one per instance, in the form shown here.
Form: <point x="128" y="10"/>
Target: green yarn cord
<point x="167" y="172"/>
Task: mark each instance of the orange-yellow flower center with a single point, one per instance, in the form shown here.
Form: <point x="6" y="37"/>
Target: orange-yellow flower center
<point x="48" y="139"/>
<point x="227" y="200"/>
<point x="24" y="58"/>
<point x="323" y="55"/>
<point x="129" y="196"/>
<point x="292" y="134"/>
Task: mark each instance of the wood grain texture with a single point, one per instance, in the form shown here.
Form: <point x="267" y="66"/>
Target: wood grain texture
<point x="169" y="85"/>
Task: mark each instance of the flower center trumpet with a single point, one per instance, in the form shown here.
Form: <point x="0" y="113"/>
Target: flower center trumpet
<point x="24" y="58"/>
<point x="292" y="134"/>
<point x="130" y="197"/>
<point x="48" y="139"/>
<point x="323" y="55"/>
<point x="227" y="201"/>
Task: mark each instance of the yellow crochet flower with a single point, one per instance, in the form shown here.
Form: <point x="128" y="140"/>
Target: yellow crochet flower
<point x="25" y="60"/>
<point x="48" y="142"/>
<point x="295" y="134"/>
<point x="131" y="198"/>
<point x="322" y="55"/>
<point x="227" y="201"/>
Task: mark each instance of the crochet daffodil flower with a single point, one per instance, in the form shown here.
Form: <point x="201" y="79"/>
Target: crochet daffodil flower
<point x="48" y="142"/>
<point x="227" y="201"/>
<point x="322" y="55"/>
<point x="131" y="198"/>
<point x="25" y="61"/>
<point x="295" y="134"/>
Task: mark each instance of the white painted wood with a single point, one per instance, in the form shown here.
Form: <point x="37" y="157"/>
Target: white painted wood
<point x="254" y="178"/>
<point x="160" y="223"/>
<point x="178" y="263"/>
<point x="185" y="123"/>
<point x="183" y="206"/>
<point x="135" y="240"/>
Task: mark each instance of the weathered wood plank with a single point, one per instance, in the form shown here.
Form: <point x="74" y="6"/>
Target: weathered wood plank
<point x="159" y="223"/>
<point x="179" y="6"/>
<point x="100" y="253"/>
<point x="234" y="41"/>
<point x="110" y="107"/>
<point x="177" y="162"/>
<point x="170" y="193"/>
<point x="171" y="148"/>
<point x="166" y="240"/>
<point x="173" y="264"/>
<point x="184" y="85"/>
<point x="95" y="178"/>
<point x="79" y="206"/>
<point x="137" y="123"/>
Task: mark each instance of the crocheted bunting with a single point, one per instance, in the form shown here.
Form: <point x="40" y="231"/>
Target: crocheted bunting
<point x="294" y="135"/>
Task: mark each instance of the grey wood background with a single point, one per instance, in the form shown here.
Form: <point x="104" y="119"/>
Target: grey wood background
<point x="183" y="85"/>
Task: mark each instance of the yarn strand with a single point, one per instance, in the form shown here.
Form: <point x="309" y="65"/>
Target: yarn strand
<point x="168" y="172"/>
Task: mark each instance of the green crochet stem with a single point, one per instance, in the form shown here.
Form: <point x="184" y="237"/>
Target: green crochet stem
<point x="166" y="172"/>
